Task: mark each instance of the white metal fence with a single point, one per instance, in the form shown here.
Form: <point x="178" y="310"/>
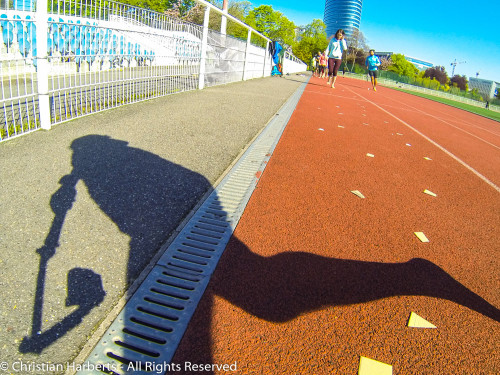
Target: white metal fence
<point x="65" y="59"/>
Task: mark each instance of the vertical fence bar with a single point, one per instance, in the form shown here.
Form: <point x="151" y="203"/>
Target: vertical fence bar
<point x="42" y="64"/>
<point x="265" y="59"/>
<point x="204" y="44"/>
<point x="247" y="55"/>
<point x="284" y="64"/>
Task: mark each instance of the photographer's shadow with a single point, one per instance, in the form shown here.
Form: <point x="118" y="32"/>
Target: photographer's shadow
<point x="282" y="287"/>
<point x="147" y="196"/>
<point x="144" y="195"/>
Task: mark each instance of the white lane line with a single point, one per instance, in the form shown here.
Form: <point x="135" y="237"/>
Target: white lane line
<point x="447" y="123"/>
<point x="467" y="123"/>
<point x="485" y="179"/>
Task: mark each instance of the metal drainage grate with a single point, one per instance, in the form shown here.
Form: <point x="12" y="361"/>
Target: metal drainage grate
<point x="145" y="335"/>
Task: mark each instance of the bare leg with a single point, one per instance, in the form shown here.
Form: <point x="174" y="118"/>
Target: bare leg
<point x="333" y="82"/>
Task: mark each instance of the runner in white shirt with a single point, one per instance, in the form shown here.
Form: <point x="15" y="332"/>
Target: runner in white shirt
<point x="334" y="52"/>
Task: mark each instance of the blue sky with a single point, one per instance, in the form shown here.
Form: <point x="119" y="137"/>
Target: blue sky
<point x="439" y="31"/>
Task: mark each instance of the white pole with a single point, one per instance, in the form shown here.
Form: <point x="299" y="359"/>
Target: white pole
<point x="41" y="20"/>
<point x="204" y="43"/>
<point x="223" y="24"/>
<point x="265" y="59"/>
<point x="247" y="54"/>
<point x="284" y="66"/>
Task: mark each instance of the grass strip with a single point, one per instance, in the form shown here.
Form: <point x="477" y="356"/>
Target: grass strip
<point x="466" y="107"/>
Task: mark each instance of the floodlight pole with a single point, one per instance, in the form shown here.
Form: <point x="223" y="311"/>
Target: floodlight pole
<point x="454" y="64"/>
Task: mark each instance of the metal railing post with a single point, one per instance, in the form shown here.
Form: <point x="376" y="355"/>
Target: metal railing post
<point x="204" y="44"/>
<point x="223" y="24"/>
<point x="247" y="54"/>
<point x="42" y="63"/>
<point x="283" y="65"/>
<point x="265" y="59"/>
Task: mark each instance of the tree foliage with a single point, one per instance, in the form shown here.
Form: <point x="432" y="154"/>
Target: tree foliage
<point x="237" y="9"/>
<point x="356" y="48"/>
<point x="438" y="73"/>
<point x="272" y="24"/>
<point x="311" y="41"/>
<point x="385" y="62"/>
<point x="402" y="66"/>
<point x="184" y="6"/>
<point x="180" y="7"/>
<point x="460" y="82"/>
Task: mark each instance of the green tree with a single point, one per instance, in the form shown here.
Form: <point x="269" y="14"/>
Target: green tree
<point x="438" y="73"/>
<point x="237" y="9"/>
<point x="155" y="5"/>
<point x="402" y="66"/>
<point x="183" y="6"/>
<point x="357" y="48"/>
<point x="385" y="62"/>
<point x="311" y="40"/>
<point x="173" y="8"/>
<point x="272" y="24"/>
<point x="460" y="82"/>
<point x="475" y="95"/>
<point x="316" y="29"/>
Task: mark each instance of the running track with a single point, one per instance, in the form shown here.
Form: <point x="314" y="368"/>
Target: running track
<point x="315" y="277"/>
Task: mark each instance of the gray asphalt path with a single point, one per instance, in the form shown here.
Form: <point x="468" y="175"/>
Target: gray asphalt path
<point x="85" y="206"/>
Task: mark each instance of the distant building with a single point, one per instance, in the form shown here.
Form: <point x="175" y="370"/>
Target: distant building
<point x="342" y="14"/>
<point x="419" y="64"/>
<point x="486" y="88"/>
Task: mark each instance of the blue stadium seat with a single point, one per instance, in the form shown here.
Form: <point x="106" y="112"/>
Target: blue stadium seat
<point x="7" y="31"/>
<point x="30" y="25"/>
<point x="24" y="44"/>
<point x="33" y="53"/>
<point x="3" y="20"/>
<point x="8" y="37"/>
<point x="73" y="45"/>
<point x="31" y="29"/>
<point x="50" y="45"/>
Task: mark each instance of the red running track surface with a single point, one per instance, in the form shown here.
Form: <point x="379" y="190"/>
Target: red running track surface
<point x="315" y="277"/>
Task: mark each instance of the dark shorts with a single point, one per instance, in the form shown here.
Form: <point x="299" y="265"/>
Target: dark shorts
<point x="373" y="73"/>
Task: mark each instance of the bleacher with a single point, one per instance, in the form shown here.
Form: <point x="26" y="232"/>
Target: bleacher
<point x="78" y="40"/>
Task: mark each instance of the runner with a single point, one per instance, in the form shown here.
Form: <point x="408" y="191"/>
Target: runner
<point x="372" y="63"/>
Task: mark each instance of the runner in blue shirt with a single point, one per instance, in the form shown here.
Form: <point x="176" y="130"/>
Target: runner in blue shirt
<point x="372" y="63"/>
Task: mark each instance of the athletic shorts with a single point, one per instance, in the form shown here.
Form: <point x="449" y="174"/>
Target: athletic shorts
<point x="373" y="73"/>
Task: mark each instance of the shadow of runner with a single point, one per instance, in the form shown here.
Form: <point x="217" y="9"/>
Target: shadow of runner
<point x="282" y="287"/>
<point x="144" y="195"/>
<point x="147" y="196"/>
